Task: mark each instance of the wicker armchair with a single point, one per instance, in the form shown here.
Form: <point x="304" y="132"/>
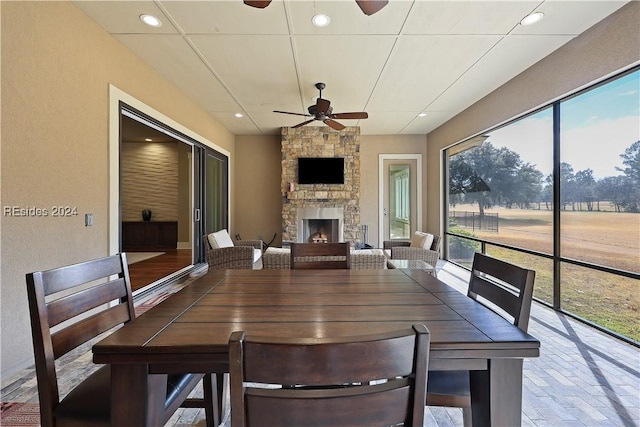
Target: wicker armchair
<point x="239" y="256"/>
<point x="400" y="249"/>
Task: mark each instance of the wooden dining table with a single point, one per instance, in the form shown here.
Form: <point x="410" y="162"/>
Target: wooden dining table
<point x="189" y="331"/>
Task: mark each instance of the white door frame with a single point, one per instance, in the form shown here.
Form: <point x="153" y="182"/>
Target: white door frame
<point x="381" y="174"/>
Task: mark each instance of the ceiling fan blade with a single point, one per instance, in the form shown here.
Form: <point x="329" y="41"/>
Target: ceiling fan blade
<point x="333" y="124"/>
<point x="369" y="7"/>
<point x="303" y="123"/>
<point x="322" y="105"/>
<point x="360" y="115"/>
<point x="260" y="4"/>
<point x="295" y="114"/>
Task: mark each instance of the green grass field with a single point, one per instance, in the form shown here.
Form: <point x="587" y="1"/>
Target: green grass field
<point x="606" y="238"/>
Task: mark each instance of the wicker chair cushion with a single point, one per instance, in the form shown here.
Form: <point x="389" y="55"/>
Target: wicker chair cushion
<point x="421" y="240"/>
<point x="220" y="239"/>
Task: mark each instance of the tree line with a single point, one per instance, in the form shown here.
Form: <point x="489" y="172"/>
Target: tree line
<point x="491" y="176"/>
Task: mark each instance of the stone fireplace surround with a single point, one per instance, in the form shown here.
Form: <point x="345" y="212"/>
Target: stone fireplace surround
<point x="320" y="141"/>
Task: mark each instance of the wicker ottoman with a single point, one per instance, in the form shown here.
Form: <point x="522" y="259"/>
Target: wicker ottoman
<point x="278" y="259"/>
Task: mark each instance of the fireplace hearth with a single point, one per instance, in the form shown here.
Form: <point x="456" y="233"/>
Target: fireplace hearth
<point x="320" y="225"/>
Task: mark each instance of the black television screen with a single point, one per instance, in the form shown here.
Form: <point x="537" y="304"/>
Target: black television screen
<point x="320" y="170"/>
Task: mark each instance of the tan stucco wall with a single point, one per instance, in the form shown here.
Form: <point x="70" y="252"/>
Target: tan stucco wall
<point x="258" y="200"/>
<point x="608" y="47"/>
<point x="57" y="65"/>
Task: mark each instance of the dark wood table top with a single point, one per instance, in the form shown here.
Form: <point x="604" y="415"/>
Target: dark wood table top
<point x="194" y="325"/>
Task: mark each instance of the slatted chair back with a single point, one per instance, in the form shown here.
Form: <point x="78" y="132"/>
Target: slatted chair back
<point x="504" y="285"/>
<point x="72" y="305"/>
<point x="320" y="256"/>
<point x="504" y="288"/>
<point x="280" y="382"/>
<point x="68" y="307"/>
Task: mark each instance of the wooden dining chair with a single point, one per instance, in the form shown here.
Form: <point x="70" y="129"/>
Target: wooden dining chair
<point x="320" y="256"/>
<point x="68" y="307"/>
<point x="502" y="287"/>
<point x="324" y="382"/>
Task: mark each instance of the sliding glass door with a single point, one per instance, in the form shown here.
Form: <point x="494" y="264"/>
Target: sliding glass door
<point x="173" y="189"/>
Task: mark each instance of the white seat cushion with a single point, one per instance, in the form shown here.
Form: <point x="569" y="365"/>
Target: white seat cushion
<point x="421" y="240"/>
<point x="257" y="254"/>
<point x="220" y="239"/>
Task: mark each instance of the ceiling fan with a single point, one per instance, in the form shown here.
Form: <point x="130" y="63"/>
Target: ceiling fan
<point x="323" y="111"/>
<point x="368" y="7"/>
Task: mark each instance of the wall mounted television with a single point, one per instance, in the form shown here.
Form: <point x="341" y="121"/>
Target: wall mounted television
<point x="320" y="170"/>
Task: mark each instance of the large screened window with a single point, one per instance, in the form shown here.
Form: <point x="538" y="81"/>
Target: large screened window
<point x="558" y="191"/>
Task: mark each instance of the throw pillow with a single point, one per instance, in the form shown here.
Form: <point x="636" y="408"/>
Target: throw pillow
<point x="421" y="240"/>
<point x="222" y="239"/>
<point x="212" y="241"/>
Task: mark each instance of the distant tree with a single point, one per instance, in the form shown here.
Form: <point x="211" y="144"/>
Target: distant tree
<point x="615" y="190"/>
<point x="546" y="196"/>
<point x="631" y="161"/>
<point x="585" y="188"/>
<point x="491" y="176"/>
<point x="567" y="186"/>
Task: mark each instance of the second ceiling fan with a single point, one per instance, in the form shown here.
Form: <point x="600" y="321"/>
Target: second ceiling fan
<point x="323" y="112"/>
<point x="368" y="7"/>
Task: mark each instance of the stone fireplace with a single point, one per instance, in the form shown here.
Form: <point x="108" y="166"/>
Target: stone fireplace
<point x="328" y="211"/>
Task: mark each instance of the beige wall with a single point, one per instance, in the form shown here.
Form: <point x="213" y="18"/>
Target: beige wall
<point x="57" y="65"/>
<point x="608" y="47"/>
<point x="258" y="200"/>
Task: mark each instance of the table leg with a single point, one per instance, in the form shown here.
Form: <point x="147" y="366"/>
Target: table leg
<point x="496" y="394"/>
<point x="221" y="394"/>
<point x="136" y="397"/>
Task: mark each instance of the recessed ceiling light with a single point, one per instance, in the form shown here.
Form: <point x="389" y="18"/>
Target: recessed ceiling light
<point x="422" y="114"/>
<point x="238" y="115"/>
<point x="532" y="18"/>
<point x="320" y="20"/>
<point x="148" y="139"/>
<point x="150" y="20"/>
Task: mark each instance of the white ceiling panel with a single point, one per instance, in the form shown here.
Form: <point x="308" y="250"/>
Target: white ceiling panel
<point x="412" y="56"/>
<point x="569" y="17"/>
<point x="242" y="126"/>
<point x="123" y="17"/>
<point x="171" y="56"/>
<point x="379" y="123"/>
<point x="424" y="125"/>
<point x="422" y="67"/>
<point x="259" y="70"/>
<point x="347" y="18"/>
<point x="227" y="17"/>
<point x="467" y="17"/>
<point x="511" y="55"/>
<point x="345" y="63"/>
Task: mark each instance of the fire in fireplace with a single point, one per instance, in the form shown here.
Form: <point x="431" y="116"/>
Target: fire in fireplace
<point x="320" y="225"/>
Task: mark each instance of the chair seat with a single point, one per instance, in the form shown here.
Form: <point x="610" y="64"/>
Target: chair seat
<point x="448" y="388"/>
<point x="89" y="403"/>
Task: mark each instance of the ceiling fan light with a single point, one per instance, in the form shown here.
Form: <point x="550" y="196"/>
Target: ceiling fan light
<point x="320" y="20"/>
<point x="532" y="18"/>
<point x="150" y="20"/>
